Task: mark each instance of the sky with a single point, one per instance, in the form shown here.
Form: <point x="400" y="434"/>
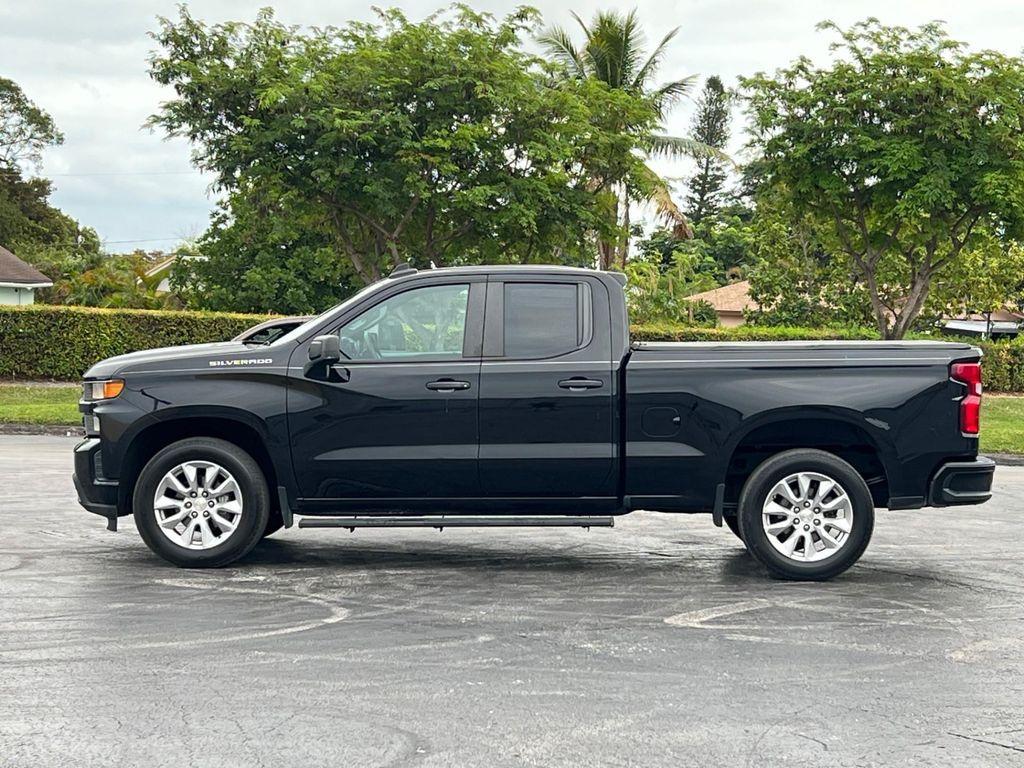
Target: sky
<point x="85" y="62"/>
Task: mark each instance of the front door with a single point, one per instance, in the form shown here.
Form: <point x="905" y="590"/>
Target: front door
<point x="397" y="420"/>
<point x="547" y="393"/>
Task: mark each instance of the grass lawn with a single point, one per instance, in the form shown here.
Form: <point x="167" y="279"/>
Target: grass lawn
<point x="1002" y="423"/>
<point x="1002" y="416"/>
<point x="35" y="404"/>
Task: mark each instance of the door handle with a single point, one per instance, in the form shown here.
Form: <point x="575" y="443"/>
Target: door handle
<point x="447" y="385"/>
<point x="578" y="384"/>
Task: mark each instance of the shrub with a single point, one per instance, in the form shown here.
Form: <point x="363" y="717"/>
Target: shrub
<point x="50" y="342"/>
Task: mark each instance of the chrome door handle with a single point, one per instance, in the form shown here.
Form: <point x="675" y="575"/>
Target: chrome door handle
<point x="578" y="384"/>
<point x="447" y="385"/>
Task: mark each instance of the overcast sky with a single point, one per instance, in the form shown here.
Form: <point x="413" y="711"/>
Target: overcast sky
<point x="84" y="61"/>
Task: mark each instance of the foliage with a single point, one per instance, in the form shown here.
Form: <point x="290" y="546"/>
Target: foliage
<point x="28" y="222"/>
<point x="987" y="277"/>
<point x="435" y="141"/>
<point x="795" y="281"/>
<point x="655" y="291"/>
<point x="259" y="256"/>
<point x="25" y="129"/>
<point x="46" y="342"/>
<point x="710" y="127"/>
<point x="613" y="53"/>
<point x="901" y="152"/>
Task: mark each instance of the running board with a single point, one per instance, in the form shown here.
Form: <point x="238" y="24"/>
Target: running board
<point x="457" y="521"/>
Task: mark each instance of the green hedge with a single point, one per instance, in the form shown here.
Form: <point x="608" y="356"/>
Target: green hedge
<point x="669" y="332"/>
<point x="45" y="342"/>
<point x="49" y="342"/>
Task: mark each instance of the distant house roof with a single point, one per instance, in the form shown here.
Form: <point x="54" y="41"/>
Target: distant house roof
<point x="15" y="272"/>
<point x="730" y="299"/>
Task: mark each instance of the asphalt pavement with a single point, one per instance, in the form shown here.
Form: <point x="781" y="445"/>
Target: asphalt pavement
<point x="658" y="642"/>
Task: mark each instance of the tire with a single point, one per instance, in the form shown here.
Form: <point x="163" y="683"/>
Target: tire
<point x="190" y="476"/>
<point x="733" y="523"/>
<point x="834" y="523"/>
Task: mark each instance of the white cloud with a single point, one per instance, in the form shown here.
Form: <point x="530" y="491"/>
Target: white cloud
<point x="85" y="62"/>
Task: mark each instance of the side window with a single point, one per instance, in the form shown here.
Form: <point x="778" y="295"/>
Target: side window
<point x="545" y="319"/>
<point x="424" y="323"/>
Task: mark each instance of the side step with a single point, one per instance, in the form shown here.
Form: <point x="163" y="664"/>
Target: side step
<point x="458" y="521"/>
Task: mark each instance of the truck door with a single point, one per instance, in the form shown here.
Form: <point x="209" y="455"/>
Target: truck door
<point x="548" y="392"/>
<point x="398" y="418"/>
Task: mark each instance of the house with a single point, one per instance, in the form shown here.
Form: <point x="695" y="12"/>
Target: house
<point x="729" y="302"/>
<point x="18" y="280"/>
<point x="159" y="275"/>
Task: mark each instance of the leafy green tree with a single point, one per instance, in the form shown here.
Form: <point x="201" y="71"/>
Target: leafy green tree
<point x="440" y="141"/>
<point x="25" y="129"/>
<point x="656" y="291"/>
<point x="710" y="126"/>
<point x="902" y="152"/>
<point x="259" y="256"/>
<point x="613" y="52"/>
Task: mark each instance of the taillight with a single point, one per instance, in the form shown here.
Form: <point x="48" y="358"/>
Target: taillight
<point x="969" y="374"/>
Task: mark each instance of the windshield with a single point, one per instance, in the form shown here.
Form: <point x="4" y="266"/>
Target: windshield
<point x="297" y="333"/>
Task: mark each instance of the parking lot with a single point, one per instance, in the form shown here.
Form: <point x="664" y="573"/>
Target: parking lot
<point x="659" y="642"/>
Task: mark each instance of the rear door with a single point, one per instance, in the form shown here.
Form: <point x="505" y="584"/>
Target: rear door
<point x="548" y="392"/>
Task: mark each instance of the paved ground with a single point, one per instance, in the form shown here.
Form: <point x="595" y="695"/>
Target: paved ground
<point x="656" y="643"/>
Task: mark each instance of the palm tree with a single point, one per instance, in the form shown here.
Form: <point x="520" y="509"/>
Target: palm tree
<point x="613" y="52"/>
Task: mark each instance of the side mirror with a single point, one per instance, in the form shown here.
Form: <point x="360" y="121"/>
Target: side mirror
<point x="325" y="349"/>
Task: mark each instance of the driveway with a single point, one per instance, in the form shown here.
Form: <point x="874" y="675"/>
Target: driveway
<point x="658" y="642"/>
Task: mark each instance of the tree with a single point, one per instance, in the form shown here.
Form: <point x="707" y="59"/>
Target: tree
<point x="710" y="127"/>
<point x="901" y="152"/>
<point x="613" y="53"/>
<point x="25" y="129"/>
<point x="438" y="141"/>
<point x="260" y="256"/>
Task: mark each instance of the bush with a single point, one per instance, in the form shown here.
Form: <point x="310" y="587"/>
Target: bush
<point x="50" y="342"/>
<point x="1002" y="367"/>
<point x="44" y="342"/>
<point x="672" y="332"/>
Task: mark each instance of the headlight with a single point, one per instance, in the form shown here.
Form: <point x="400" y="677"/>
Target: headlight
<point x="103" y="390"/>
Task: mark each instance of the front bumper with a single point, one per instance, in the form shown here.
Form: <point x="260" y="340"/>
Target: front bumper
<point x="96" y="493"/>
<point x="962" y="482"/>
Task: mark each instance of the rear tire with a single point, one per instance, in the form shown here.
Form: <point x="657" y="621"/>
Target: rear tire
<point x="733" y="524"/>
<point x="201" y="503"/>
<point x="806" y="515"/>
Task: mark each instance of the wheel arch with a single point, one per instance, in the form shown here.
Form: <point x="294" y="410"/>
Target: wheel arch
<point x="842" y="433"/>
<point x="235" y="426"/>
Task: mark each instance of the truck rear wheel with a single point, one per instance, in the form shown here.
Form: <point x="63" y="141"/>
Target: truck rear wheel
<point x="732" y="522"/>
<point x="201" y="503"/>
<point x="806" y="515"/>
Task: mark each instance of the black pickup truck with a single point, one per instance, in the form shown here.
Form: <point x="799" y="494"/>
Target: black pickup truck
<point x="512" y="396"/>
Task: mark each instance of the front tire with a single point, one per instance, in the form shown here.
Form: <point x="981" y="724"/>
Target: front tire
<point x="806" y="515"/>
<point x="201" y="503"/>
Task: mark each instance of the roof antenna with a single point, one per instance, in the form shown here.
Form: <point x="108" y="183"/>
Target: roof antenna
<point x="432" y="264"/>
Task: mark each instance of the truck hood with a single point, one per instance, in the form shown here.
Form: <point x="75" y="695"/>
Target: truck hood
<point x="176" y="358"/>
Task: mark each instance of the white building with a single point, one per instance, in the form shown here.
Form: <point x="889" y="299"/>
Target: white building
<point x="18" y="280"/>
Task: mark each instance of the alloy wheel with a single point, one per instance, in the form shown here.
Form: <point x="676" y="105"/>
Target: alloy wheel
<point x="198" y="504"/>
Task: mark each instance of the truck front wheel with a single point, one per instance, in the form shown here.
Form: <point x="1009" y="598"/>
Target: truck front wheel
<point x="806" y="515"/>
<point x="201" y="503"/>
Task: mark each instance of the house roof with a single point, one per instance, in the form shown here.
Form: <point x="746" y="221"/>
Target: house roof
<point x="734" y="297"/>
<point x="15" y="271"/>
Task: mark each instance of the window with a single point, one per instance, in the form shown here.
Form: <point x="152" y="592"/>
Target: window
<point x="424" y="323"/>
<point x="545" y="319"/>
